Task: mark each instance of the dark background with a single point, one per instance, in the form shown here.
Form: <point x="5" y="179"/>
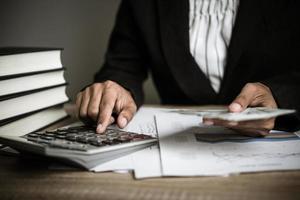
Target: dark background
<point x="81" y="27"/>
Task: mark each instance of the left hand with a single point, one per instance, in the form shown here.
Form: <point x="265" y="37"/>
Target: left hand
<point x="252" y="95"/>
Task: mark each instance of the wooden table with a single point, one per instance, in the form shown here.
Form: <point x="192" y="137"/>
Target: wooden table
<point x="30" y="178"/>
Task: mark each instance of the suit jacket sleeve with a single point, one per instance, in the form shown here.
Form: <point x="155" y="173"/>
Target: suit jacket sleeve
<point x="285" y="90"/>
<point x="125" y="59"/>
<point x="286" y="86"/>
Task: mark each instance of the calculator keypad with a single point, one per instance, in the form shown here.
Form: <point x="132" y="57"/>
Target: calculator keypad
<point x="83" y="138"/>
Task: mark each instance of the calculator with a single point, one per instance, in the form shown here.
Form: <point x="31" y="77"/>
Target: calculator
<point x="80" y="145"/>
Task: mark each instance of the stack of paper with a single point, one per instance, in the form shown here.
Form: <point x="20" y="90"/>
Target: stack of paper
<point x="185" y="150"/>
<point x="188" y="148"/>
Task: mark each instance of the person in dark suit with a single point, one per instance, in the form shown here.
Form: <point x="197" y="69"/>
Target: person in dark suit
<point x="239" y="53"/>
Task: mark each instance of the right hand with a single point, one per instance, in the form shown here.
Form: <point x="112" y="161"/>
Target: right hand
<point x="253" y="128"/>
<point x="99" y="101"/>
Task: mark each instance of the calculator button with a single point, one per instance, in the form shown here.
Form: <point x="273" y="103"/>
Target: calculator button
<point x="51" y="131"/>
<point x="87" y="134"/>
<point x="33" y="135"/>
<point x="101" y="136"/>
<point x="62" y="129"/>
<point x="45" y="137"/>
<point x="108" y="142"/>
<point x="32" y="139"/>
<point x="68" y="145"/>
<point x="39" y="133"/>
<point x="62" y="132"/>
<point x="72" y="136"/>
<point x="42" y="141"/>
<point x="83" y="139"/>
<point x="96" y="142"/>
<point x="49" y="134"/>
<point x="124" y="139"/>
<point x="76" y="128"/>
<point x="60" y="136"/>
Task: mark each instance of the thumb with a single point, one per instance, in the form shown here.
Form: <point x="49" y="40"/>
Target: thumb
<point x="125" y="115"/>
<point x="244" y="99"/>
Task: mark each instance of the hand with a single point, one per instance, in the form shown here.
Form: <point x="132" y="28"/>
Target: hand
<point x="253" y="94"/>
<point x="254" y="128"/>
<point x="99" y="101"/>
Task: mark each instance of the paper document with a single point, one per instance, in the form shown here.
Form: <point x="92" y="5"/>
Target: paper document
<point x="185" y="149"/>
<point x="122" y="163"/>
<point x="147" y="163"/>
<point x="250" y="114"/>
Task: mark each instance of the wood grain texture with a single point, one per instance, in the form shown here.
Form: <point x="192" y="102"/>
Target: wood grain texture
<point x="31" y="179"/>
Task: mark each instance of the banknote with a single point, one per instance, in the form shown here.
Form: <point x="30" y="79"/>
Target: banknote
<point x="254" y="113"/>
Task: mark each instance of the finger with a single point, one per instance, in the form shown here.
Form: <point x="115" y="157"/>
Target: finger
<point x="244" y="128"/>
<point x="112" y="120"/>
<point x="105" y="110"/>
<point x="94" y="103"/>
<point x="252" y="132"/>
<point x="267" y="124"/>
<point x="264" y="97"/>
<point x="126" y="115"/>
<point x="84" y="104"/>
<point x="208" y="122"/>
<point x="220" y="122"/>
<point x="78" y="103"/>
<point x="244" y="99"/>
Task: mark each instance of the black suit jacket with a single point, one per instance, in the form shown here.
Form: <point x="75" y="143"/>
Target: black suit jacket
<point x="153" y="35"/>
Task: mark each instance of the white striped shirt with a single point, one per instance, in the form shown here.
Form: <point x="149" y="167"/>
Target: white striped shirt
<point x="210" y="28"/>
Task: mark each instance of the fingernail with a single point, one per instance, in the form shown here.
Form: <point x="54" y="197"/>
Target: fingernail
<point x="235" y="107"/>
<point x="208" y="123"/>
<point x="99" y="128"/>
<point x="123" y="122"/>
<point x="112" y="120"/>
<point x="232" y="123"/>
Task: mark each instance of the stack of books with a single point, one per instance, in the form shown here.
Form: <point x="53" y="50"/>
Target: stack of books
<point x="32" y="89"/>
